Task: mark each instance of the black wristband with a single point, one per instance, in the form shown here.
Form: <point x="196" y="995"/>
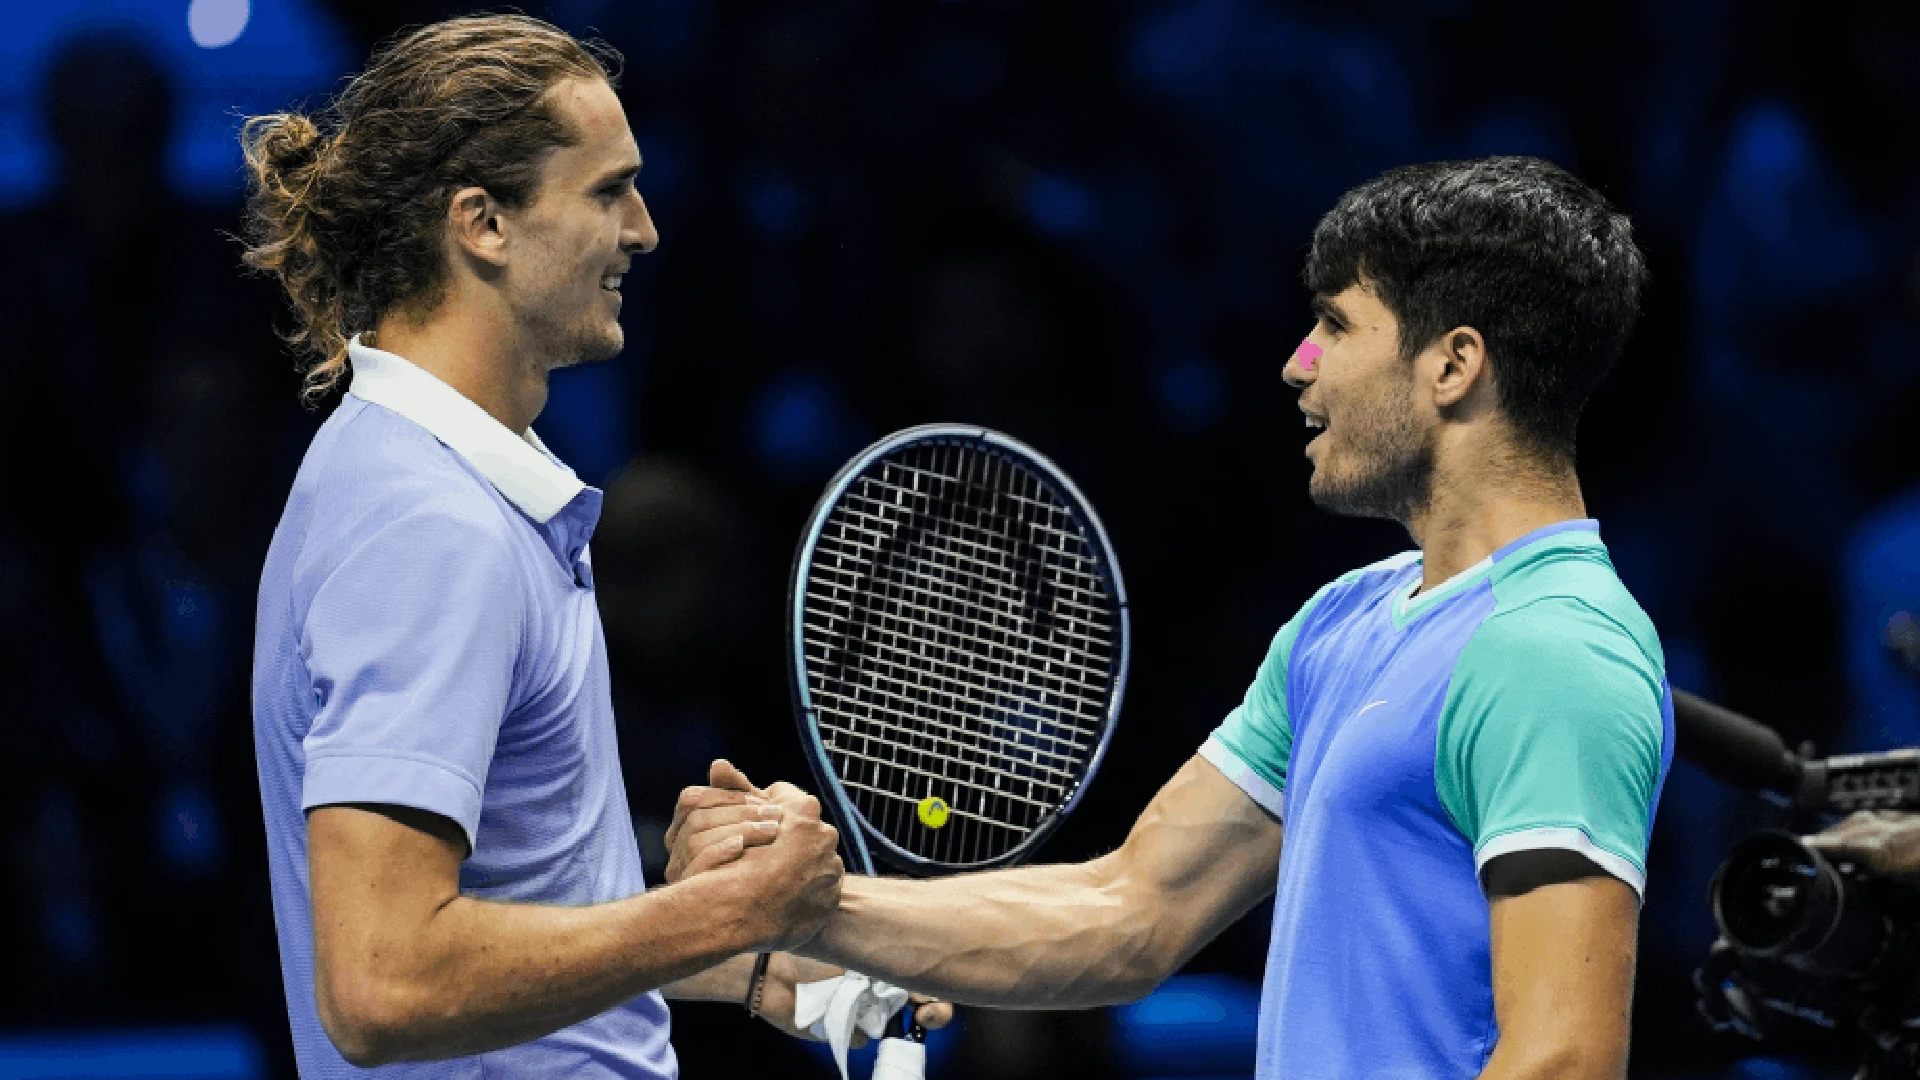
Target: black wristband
<point x="755" y="983"/>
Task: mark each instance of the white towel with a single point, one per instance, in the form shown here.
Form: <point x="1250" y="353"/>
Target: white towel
<point x="832" y="1008"/>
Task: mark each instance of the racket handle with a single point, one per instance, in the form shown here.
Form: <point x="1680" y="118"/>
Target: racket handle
<point x="900" y="1059"/>
<point x="903" y="1053"/>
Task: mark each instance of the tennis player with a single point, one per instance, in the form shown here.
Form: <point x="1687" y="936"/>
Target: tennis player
<point x="455" y="874"/>
<point x="1462" y="746"/>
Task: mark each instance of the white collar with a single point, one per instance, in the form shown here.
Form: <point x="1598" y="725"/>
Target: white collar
<point x="521" y="467"/>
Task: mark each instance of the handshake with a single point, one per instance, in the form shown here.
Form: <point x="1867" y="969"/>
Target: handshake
<point x="773" y="842"/>
<point x="785" y="873"/>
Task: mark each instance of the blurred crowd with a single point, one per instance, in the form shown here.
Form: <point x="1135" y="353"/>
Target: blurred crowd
<point x="1078" y="222"/>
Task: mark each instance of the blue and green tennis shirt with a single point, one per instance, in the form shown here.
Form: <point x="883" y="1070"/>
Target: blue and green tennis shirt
<point x="1405" y="741"/>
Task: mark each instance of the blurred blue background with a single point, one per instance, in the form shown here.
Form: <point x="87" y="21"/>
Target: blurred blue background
<point x="1079" y="222"/>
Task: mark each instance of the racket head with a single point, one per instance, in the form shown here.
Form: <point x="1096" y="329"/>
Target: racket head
<point x="1076" y="606"/>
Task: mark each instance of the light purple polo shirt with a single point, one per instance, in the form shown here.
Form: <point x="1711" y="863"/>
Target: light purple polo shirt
<point x="428" y="637"/>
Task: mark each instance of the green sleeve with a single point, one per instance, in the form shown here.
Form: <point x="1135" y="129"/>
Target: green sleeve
<point x="1552" y="737"/>
<point x="1253" y="744"/>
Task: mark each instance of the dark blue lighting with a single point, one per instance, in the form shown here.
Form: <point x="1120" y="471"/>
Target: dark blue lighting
<point x="188" y="828"/>
<point x="1192" y="1026"/>
<point x="1520" y="127"/>
<point x="212" y="1053"/>
<point x="1060" y="206"/>
<point x="1772" y="1069"/>
<point x="1193" y="393"/>
<point x="72" y="931"/>
<point x="586" y="423"/>
<point x="776" y="206"/>
<point x="800" y="427"/>
<point x="286" y="49"/>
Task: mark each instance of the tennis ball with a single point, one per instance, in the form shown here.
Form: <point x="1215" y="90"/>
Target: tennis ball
<point x="933" y="811"/>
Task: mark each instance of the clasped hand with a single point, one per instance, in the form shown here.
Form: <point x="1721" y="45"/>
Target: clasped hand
<point x="775" y="843"/>
<point x="776" y="838"/>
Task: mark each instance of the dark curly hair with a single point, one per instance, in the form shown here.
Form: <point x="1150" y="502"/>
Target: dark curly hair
<point x="347" y="208"/>
<point x="1514" y="247"/>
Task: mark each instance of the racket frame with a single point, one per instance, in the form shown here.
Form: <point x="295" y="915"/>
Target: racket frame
<point x="860" y="837"/>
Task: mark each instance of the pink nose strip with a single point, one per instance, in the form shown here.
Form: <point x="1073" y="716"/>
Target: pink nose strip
<point x="1308" y="354"/>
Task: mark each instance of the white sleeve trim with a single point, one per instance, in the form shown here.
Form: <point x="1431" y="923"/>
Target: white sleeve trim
<point x="1566" y="839"/>
<point x="1243" y="776"/>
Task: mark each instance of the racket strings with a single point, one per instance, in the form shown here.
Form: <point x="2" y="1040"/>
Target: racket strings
<point x="960" y="643"/>
<point x="1074" y="605"/>
<point x="975" y="608"/>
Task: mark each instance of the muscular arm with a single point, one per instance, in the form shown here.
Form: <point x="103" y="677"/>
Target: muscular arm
<point x="1563" y="936"/>
<point x="1073" y="936"/>
<point x="405" y="968"/>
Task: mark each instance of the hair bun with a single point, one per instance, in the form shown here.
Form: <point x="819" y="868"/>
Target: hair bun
<point x="281" y="147"/>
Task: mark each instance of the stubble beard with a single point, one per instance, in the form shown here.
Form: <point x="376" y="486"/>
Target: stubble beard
<point x="1399" y="467"/>
<point x="594" y="346"/>
<point x="565" y="343"/>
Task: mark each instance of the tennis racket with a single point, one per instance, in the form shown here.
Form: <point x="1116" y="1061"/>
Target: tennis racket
<point x="958" y="632"/>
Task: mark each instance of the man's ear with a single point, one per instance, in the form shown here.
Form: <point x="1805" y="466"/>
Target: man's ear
<point x="474" y="226"/>
<point x="1463" y="366"/>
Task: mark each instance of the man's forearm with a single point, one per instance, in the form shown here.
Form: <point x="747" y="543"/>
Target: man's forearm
<point x="1069" y="937"/>
<point x="483" y="975"/>
<point x="725" y="981"/>
<point x="1042" y="937"/>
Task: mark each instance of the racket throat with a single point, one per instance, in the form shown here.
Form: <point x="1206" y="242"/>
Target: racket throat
<point x="905" y="1025"/>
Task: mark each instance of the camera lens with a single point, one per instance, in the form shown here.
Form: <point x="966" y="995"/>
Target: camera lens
<point x="1768" y="894"/>
<point x="1777" y="899"/>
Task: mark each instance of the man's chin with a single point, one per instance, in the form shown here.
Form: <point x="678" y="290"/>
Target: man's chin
<point x="596" y="349"/>
<point x="1350" y="500"/>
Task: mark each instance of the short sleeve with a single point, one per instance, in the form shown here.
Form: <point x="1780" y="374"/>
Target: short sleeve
<point x="1253" y="745"/>
<point x="411" y="642"/>
<point x="1553" y="735"/>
